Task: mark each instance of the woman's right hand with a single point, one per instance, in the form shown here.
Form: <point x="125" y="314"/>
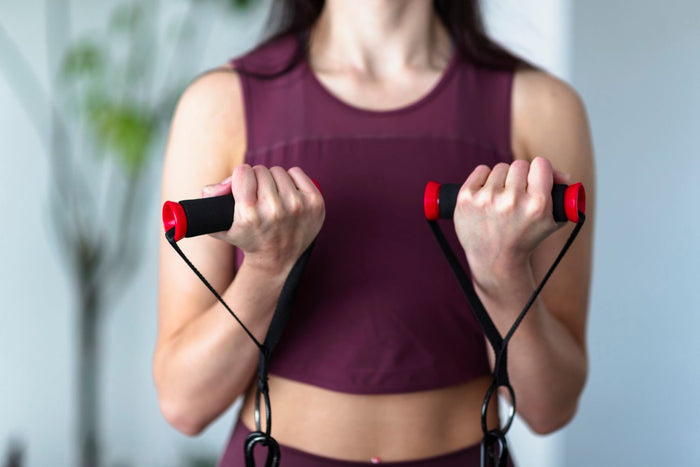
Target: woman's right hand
<point x="277" y="214"/>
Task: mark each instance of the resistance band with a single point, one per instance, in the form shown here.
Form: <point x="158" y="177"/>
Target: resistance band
<point x="569" y="203"/>
<point x="195" y="217"/>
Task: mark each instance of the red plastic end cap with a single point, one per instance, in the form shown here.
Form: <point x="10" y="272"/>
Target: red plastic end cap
<point x="431" y="200"/>
<point x="174" y="216"/>
<point x="574" y="201"/>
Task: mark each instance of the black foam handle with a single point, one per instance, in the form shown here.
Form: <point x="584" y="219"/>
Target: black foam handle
<point x="193" y="217"/>
<point x="448" y="199"/>
<point x="558" y="194"/>
<point x="449" y="191"/>
<point x="208" y="215"/>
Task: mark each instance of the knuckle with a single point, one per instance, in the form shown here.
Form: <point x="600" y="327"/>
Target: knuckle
<point x="275" y="210"/>
<point x="295" y="205"/>
<point x="296" y="171"/>
<point x="238" y="175"/>
<point x="260" y="170"/>
<point x="520" y="164"/>
<point x="484" y="199"/>
<point x="316" y="204"/>
<point x="509" y="201"/>
<point x="465" y="196"/>
<point x="482" y="168"/>
<point x="248" y="216"/>
<point x="542" y="161"/>
<point x="277" y="171"/>
<point x="240" y="168"/>
<point x="537" y="207"/>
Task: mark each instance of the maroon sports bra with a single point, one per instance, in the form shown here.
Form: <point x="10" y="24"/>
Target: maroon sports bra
<point x="378" y="309"/>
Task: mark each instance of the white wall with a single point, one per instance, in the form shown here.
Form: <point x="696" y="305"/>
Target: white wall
<point x="637" y="66"/>
<point x="538" y="30"/>
<point x="37" y="328"/>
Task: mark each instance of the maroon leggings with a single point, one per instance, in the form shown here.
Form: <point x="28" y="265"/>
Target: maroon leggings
<point x="291" y="457"/>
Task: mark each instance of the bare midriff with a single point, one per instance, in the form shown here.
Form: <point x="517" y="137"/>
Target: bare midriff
<point x="391" y="427"/>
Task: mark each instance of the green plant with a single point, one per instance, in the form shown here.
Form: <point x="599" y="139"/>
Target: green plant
<point x="98" y="123"/>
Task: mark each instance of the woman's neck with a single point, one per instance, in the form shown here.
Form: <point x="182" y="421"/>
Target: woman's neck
<point x="380" y="37"/>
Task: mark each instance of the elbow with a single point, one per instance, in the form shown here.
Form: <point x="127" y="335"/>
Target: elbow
<point x="188" y="404"/>
<point x="554" y="413"/>
<point x="180" y="411"/>
<point x="558" y="407"/>
<point x="548" y="421"/>
<point x="180" y="415"/>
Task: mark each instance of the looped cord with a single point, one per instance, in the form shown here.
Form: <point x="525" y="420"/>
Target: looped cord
<point x="494" y="449"/>
<point x="493" y="391"/>
<point x="273" y="449"/>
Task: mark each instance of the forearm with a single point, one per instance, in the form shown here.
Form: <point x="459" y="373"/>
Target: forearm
<point x="200" y="370"/>
<point x="546" y="364"/>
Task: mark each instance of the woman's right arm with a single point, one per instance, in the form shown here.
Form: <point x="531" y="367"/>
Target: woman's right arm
<point x="203" y="359"/>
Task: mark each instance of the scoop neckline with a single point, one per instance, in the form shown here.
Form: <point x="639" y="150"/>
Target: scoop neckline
<point x="422" y="100"/>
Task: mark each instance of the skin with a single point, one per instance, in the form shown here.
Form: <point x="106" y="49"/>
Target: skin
<point x="203" y="360"/>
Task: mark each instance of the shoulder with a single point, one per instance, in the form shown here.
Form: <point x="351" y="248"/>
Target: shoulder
<point x="209" y="83"/>
<point x="547" y="115"/>
<point x="210" y="114"/>
<point x="213" y="98"/>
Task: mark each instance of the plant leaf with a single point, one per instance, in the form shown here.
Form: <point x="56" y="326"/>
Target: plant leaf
<point x="84" y="59"/>
<point x="125" y="17"/>
<point x="124" y="130"/>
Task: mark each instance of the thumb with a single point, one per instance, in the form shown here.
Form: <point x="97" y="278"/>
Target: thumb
<point x="217" y="189"/>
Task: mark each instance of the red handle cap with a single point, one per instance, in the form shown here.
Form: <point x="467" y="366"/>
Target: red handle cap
<point x="574" y="201"/>
<point x="431" y="198"/>
<point x="174" y="216"/>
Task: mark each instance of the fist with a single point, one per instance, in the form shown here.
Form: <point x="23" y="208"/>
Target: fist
<point x="277" y="214"/>
<point x="503" y="213"/>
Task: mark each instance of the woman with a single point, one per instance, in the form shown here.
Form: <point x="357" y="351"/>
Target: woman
<point x="381" y="361"/>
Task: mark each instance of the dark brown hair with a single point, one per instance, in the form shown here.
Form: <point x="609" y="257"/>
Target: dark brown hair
<point x="462" y="18"/>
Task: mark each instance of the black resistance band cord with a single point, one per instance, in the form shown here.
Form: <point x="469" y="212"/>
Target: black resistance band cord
<point x="494" y="449"/>
<point x="274" y="333"/>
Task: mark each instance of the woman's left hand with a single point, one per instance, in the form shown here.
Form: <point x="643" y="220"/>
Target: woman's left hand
<point x="501" y="215"/>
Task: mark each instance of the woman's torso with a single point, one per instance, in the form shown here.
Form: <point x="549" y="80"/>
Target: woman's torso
<point x="381" y="356"/>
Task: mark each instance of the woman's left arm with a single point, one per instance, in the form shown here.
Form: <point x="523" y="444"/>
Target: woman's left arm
<point x="547" y="358"/>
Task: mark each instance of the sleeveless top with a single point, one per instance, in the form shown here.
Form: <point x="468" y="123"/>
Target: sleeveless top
<point x="378" y="310"/>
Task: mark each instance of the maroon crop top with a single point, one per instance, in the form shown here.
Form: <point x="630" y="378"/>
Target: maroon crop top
<point x="378" y="309"/>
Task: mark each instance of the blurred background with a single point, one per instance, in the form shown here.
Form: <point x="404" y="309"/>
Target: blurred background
<point x="86" y="93"/>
